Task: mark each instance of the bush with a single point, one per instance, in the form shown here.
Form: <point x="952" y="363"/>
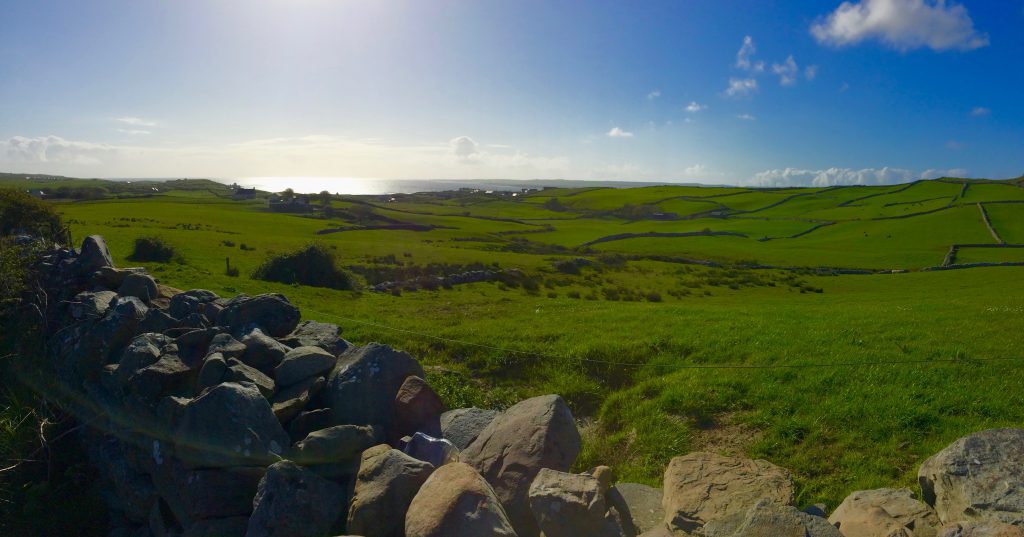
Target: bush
<point x="153" y="249"/>
<point x="21" y="213"/>
<point x="653" y="296"/>
<point x="313" y="265"/>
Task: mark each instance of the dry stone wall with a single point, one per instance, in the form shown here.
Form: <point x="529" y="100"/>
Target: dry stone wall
<point x="214" y="416"/>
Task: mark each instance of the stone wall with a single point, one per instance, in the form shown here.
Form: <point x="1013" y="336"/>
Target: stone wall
<point x="213" y="416"/>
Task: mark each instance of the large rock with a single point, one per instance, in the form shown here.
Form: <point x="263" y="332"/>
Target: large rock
<point x="290" y="401"/>
<point x="769" y="519"/>
<point x="456" y="501"/>
<point x="386" y="484"/>
<point x="239" y="372"/>
<point x="262" y="351"/>
<point x="644" y="505"/>
<point x="316" y="334"/>
<point x="339" y="446"/>
<point x="229" y="425"/>
<point x="271" y="313"/>
<point x="462" y="425"/>
<point x="417" y="408"/>
<point x="981" y="529"/>
<point x="361" y="389"/>
<point x="143" y="351"/>
<point x="886" y="513"/>
<point x="226" y="345"/>
<point x="567" y="505"/>
<point x="701" y="486"/>
<point x="140" y="286"/>
<point x="167" y="376"/>
<point x="108" y="337"/>
<point x="533" y="434"/>
<point x="91" y="305"/>
<point x="205" y="493"/>
<point x="295" y="502"/>
<point x="307" y="422"/>
<point x="94" y="256"/>
<point x="301" y="363"/>
<point x="978" y="478"/>
<point x="189" y="302"/>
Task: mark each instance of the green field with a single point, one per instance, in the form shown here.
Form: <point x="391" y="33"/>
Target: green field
<point x="848" y="380"/>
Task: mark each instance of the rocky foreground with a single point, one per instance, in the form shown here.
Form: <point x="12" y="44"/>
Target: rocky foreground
<point x="209" y="416"/>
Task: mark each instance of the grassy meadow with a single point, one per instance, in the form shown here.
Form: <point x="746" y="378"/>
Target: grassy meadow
<point x="849" y="380"/>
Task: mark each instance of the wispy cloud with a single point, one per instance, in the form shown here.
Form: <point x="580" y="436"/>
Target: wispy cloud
<point x="811" y="72"/>
<point x="616" y="132"/>
<point x="694" y="107"/>
<point x="845" y="176"/>
<point x="133" y="132"/>
<point x="787" y="71"/>
<point x="746" y="117"/>
<point x="739" y="87"/>
<point x="979" y="111"/>
<point x="653" y="95"/>
<point x="743" y="56"/>
<point x="53" y="150"/>
<point x="136" y="121"/>
<point x="901" y="24"/>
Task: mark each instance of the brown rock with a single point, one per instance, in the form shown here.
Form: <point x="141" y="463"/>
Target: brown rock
<point x="417" y="408"/>
<point x="886" y="513"/>
<point x="386" y="484"/>
<point x="456" y="501"/>
<point x="701" y="486"/>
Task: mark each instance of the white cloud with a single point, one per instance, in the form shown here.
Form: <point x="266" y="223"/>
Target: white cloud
<point x="133" y="131"/>
<point x="787" y="71"/>
<point x="693" y="107"/>
<point x="844" y="176"/>
<point x="979" y="111"/>
<point x="619" y="133"/>
<point x="739" y="87"/>
<point x="935" y="174"/>
<point x="901" y="24"/>
<point x="811" y="72"/>
<point x="465" y="149"/>
<point x="653" y="95"/>
<point x="696" y="170"/>
<point x="746" y="117"/>
<point x="136" y="121"/>
<point x="52" y="150"/>
<point x="955" y="145"/>
<point x="743" y="56"/>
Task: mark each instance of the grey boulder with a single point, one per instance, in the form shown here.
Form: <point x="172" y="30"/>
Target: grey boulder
<point x="536" y="433"/>
<point x="317" y="334"/>
<point x="769" y="519"/>
<point x="885" y="512"/>
<point x="302" y="363"/>
<point x="229" y="425"/>
<point x="294" y="502"/>
<point x="271" y="313"/>
<point x="978" y="478"/>
<point x="462" y="425"/>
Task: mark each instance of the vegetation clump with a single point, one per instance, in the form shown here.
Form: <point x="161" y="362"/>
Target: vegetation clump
<point x="21" y="213"/>
<point x="313" y="265"/>
<point x="154" y="249"/>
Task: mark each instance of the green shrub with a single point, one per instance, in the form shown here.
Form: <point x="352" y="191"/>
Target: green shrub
<point x="153" y="249"/>
<point x="312" y="265"/>
<point x="21" y="213"/>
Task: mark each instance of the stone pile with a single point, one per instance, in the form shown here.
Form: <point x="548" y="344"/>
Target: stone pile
<point x="211" y="416"/>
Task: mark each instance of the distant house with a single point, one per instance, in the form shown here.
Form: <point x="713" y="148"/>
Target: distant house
<point x="296" y="204"/>
<point x="244" y="194"/>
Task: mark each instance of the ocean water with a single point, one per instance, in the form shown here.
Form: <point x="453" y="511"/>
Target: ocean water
<point x="371" y="186"/>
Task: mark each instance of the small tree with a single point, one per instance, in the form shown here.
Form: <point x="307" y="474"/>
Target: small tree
<point x="288" y="194"/>
<point x="325" y="203"/>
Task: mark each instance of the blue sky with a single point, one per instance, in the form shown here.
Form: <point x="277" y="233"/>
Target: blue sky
<point x="758" y="92"/>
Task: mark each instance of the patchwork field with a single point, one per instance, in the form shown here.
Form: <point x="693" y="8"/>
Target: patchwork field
<point x="644" y="310"/>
